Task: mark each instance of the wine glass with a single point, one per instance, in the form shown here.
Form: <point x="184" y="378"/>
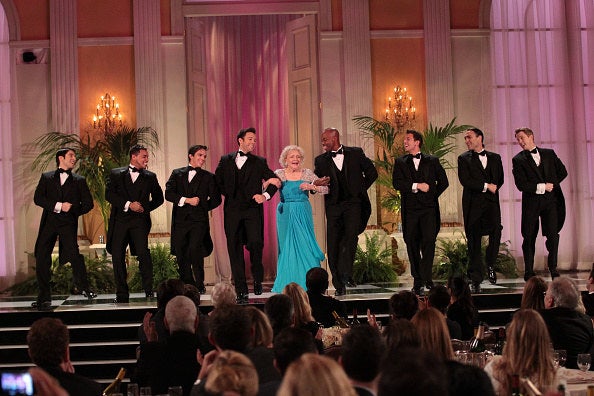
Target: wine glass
<point x="562" y="356"/>
<point x="583" y="361"/>
<point x="556" y="359"/>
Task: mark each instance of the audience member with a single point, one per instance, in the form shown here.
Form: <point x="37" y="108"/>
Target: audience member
<point x="289" y="345"/>
<point x="48" y="341"/>
<point x="433" y="333"/>
<point x="462" y="309"/>
<point x="279" y="309"/>
<point x="223" y="293"/>
<point x="261" y="328"/>
<point x="404" y="305"/>
<point x="172" y="363"/>
<point x="401" y="333"/>
<point x="361" y="357"/>
<point x="315" y="375"/>
<point x="527" y="353"/>
<point x="232" y="373"/>
<point x="316" y="281"/>
<point x="230" y="328"/>
<point x="468" y="380"/>
<point x="534" y="293"/>
<point x="414" y="373"/>
<point x="302" y="317"/>
<point x="166" y="290"/>
<point x="439" y="298"/>
<point x="588" y="297"/>
<point x="193" y="293"/>
<point x="568" y="328"/>
<point x="45" y="384"/>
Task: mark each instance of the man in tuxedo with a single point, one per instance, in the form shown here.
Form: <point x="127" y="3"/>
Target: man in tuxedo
<point x="193" y="192"/>
<point x="481" y="174"/>
<point x="421" y="179"/>
<point x="240" y="176"/>
<point x="538" y="174"/>
<point x="348" y="208"/>
<point x="64" y="196"/>
<point x="133" y="192"/>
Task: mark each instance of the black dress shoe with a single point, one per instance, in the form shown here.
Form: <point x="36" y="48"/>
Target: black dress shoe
<point x="492" y="275"/>
<point x="121" y="300"/>
<point x="418" y="290"/>
<point x="476" y="288"/>
<point x="149" y="294"/>
<point x="242" y="298"/>
<point x="257" y="288"/>
<point x="429" y="285"/>
<point x="201" y="289"/>
<point x="42" y="306"/>
<point x="340" y="291"/>
<point x="90" y="294"/>
<point x="351" y="283"/>
<point x="554" y="274"/>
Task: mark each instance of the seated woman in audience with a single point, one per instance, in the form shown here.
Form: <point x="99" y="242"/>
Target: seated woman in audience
<point x="534" y="293"/>
<point x="261" y="328"/>
<point x="315" y="375"/>
<point x="223" y="293"/>
<point x="302" y="317"/>
<point x="433" y="333"/>
<point x="462" y="309"/>
<point x="401" y="333"/>
<point x="231" y="373"/>
<point x="527" y="353"/>
<point x="279" y="309"/>
<point x="322" y="306"/>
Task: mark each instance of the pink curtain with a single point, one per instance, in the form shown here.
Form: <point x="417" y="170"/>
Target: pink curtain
<point x="247" y="86"/>
<point x="543" y="73"/>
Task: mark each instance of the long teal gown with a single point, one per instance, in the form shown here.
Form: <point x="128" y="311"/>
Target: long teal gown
<point x="298" y="250"/>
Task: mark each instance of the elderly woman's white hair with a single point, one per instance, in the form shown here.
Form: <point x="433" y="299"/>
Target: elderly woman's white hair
<point x="223" y="293"/>
<point x="283" y="156"/>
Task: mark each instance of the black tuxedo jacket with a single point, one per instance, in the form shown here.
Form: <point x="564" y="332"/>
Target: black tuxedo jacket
<point x="360" y="175"/>
<point x="527" y="176"/>
<point x="430" y="172"/>
<point x="203" y="186"/>
<point x="473" y="177"/>
<point x="256" y="171"/>
<point x="120" y="190"/>
<point x="49" y="191"/>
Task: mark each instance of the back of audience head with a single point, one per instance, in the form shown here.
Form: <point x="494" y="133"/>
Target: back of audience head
<point x="290" y="344"/>
<point x="223" y="293"/>
<point x="316" y="280"/>
<point x="301" y="308"/>
<point x="534" y="293"/>
<point x="168" y="289"/>
<point x="433" y="333"/>
<point x="261" y="328"/>
<point x="230" y="328"/>
<point x="439" y="298"/>
<point x="181" y="315"/>
<point x="459" y="288"/>
<point x="415" y="373"/>
<point x="232" y="373"/>
<point x="362" y="353"/>
<point x="562" y="292"/>
<point x="279" y="309"/>
<point x="313" y="374"/>
<point x="192" y="293"/>
<point x="48" y="341"/>
<point x="401" y="333"/>
<point x="468" y="380"/>
<point x="404" y="305"/>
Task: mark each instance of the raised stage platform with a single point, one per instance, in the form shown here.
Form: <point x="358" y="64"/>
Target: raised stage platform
<point x="104" y="335"/>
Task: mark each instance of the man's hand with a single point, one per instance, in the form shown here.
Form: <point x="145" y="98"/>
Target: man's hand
<point x="207" y="361"/>
<point x="259" y="198"/>
<point x="136" y="207"/>
<point x="322" y="181"/>
<point x="423" y="187"/>
<point x="549" y="187"/>
<point x="192" y="201"/>
<point x="492" y="188"/>
<point x="66" y="207"/>
<point x="149" y="328"/>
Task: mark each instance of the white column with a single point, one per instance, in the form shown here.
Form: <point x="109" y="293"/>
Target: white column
<point x="64" y="66"/>
<point x="440" y="87"/>
<point x="148" y="68"/>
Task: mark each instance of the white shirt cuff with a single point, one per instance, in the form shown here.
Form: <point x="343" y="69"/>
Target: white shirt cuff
<point x="485" y="187"/>
<point x="127" y="205"/>
<point x="415" y="187"/>
<point x="540" y="188"/>
<point x="181" y="202"/>
<point x="58" y="207"/>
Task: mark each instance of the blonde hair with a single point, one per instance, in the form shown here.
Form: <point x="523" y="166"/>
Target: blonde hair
<point x="433" y="333"/>
<point x="223" y="293"/>
<point x="261" y="325"/>
<point x="315" y="375"/>
<point x="282" y="160"/>
<point x="232" y="372"/>
<point x="302" y="309"/>
<point x="527" y="351"/>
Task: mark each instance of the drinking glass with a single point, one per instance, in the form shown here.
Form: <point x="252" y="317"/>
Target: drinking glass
<point x="583" y="361"/>
<point x="146" y="391"/>
<point x="562" y="356"/>
<point x="175" y="391"/>
<point x="132" y="389"/>
<point x="556" y="359"/>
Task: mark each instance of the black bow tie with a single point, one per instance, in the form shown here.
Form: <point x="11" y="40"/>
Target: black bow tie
<point x="69" y="171"/>
<point x="191" y="168"/>
<point x="133" y="169"/>
<point x="241" y="153"/>
<point x="417" y="156"/>
<point x="534" y="151"/>
<point x="335" y="153"/>
<point x="483" y="153"/>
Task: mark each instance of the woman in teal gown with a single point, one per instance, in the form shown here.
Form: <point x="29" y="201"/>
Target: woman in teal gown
<point x="298" y="250"/>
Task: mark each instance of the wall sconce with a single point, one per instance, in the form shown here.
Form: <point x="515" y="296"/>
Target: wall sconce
<point x="107" y="114"/>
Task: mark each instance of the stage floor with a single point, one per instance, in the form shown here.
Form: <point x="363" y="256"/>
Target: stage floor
<point x="375" y="291"/>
